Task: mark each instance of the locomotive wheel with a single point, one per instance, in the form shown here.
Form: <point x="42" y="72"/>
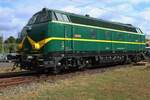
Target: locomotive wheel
<point x="82" y="67"/>
<point x="128" y="60"/>
<point x="56" y="69"/>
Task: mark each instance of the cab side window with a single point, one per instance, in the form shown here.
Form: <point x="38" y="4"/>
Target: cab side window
<point x="138" y="30"/>
<point x="53" y="16"/>
<point x="32" y="20"/>
<point x="65" y="18"/>
<point x="61" y="17"/>
<point x="42" y="17"/>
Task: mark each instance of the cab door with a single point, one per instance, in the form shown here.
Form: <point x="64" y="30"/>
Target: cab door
<point x="67" y="31"/>
<point x="68" y="38"/>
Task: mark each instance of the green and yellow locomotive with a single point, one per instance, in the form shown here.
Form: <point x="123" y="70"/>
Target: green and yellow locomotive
<point x="59" y="40"/>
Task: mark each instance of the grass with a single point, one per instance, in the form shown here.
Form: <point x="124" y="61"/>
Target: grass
<point x="131" y="83"/>
<point x="5" y="69"/>
<point x="8" y="69"/>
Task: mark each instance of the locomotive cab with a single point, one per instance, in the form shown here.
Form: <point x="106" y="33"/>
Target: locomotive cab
<point x="34" y="31"/>
<point x="31" y="39"/>
<point x="40" y="28"/>
<point x="35" y="36"/>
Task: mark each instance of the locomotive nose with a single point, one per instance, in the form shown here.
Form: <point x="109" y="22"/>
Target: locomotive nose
<point x="36" y="46"/>
<point x="28" y="28"/>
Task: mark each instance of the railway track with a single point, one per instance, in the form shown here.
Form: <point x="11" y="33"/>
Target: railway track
<point x="5" y="82"/>
<point x="16" y="74"/>
<point x="15" y="78"/>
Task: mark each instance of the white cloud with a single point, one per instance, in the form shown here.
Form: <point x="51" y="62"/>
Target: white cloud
<point x="95" y="12"/>
<point x="124" y="19"/>
<point x="14" y="17"/>
<point x="135" y="2"/>
<point x="145" y="14"/>
<point x="79" y="1"/>
<point x="72" y="9"/>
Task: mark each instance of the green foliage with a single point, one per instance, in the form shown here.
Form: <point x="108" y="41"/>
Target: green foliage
<point x="1" y="41"/>
<point x="11" y="39"/>
<point x="8" y="45"/>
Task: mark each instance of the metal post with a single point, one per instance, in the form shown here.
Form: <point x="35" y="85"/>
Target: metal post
<point x="2" y="44"/>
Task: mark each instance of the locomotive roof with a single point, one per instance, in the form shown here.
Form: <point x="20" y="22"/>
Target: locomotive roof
<point x="89" y="17"/>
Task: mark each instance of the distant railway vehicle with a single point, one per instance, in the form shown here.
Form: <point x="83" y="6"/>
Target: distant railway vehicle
<point x="59" y="40"/>
<point x="147" y="52"/>
<point x="3" y="57"/>
<point x="8" y="57"/>
<point x="11" y="57"/>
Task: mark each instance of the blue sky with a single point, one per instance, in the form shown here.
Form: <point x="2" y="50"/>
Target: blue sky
<point x="14" y="14"/>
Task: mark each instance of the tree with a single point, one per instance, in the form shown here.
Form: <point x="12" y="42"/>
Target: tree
<point x="1" y="42"/>
<point x="11" y="39"/>
<point x="10" y="44"/>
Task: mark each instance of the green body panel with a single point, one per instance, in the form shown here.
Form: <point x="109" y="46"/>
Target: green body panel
<point x="49" y="29"/>
<point x="68" y="45"/>
<point x="39" y="31"/>
<point x="57" y="31"/>
<point x="70" y="31"/>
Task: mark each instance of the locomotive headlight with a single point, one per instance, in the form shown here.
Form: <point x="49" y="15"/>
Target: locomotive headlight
<point x="87" y="62"/>
<point x="29" y="57"/>
<point x="20" y="46"/>
<point x="59" y="64"/>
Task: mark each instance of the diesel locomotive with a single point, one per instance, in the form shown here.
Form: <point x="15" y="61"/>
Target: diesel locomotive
<point x="59" y="40"/>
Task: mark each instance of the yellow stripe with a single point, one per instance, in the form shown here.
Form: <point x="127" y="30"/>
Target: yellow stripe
<point x="40" y="44"/>
<point x="21" y="44"/>
<point x="109" y="29"/>
<point x="93" y="40"/>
